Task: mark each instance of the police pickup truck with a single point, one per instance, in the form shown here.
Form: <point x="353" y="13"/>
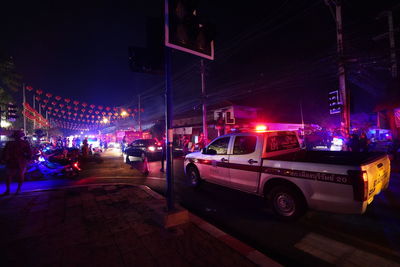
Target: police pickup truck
<point x="272" y="164"/>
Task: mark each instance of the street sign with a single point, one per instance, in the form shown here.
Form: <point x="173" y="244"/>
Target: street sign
<point x="335" y="106"/>
<point x="185" y="31"/>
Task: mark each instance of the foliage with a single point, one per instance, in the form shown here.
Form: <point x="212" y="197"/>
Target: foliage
<point x="10" y="80"/>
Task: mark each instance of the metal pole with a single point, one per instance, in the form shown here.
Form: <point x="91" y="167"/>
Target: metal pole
<point x="169" y="131"/>
<point x="203" y="99"/>
<point x="140" y="118"/>
<point x="47" y="120"/>
<point x="344" y="92"/>
<point x="168" y="121"/>
<point x="23" y="106"/>
<point x="34" y="108"/>
<point x="393" y="61"/>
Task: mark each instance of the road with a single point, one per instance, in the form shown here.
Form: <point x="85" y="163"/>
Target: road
<point x="318" y="238"/>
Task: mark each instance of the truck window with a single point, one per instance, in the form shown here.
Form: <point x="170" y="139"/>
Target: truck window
<point x="282" y="142"/>
<point x="220" y="145"/>
<point x="244" y="145"/>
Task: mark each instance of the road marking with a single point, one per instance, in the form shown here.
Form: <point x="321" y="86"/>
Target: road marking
<point x="338" y="253"/>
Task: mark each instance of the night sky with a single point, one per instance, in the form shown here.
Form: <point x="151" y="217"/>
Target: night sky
<point x="270" y="54"/>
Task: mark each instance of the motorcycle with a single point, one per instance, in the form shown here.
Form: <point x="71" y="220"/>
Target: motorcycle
<point x="56" y="162"/>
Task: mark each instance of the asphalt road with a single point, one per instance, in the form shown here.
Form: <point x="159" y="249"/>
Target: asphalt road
<point x="374" y="236"/>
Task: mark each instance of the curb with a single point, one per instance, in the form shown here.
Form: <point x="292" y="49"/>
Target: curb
<point x="245" y="250"/>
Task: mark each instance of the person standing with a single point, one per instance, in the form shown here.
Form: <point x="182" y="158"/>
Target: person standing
<point x="85" y="148"/>
<point x="164" y="152"/>
<point x="185" y="145"/>
<point x="354" y="143"/>
<point x="364" y="143"/>
<point x="17" y="153"/>
<point x="123" y="145"/>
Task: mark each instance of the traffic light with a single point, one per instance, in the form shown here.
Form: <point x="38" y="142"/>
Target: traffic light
<point x="149" y="59"/>
<point x="12" y="112"/>
<point x="186" y="31"/>
<point x="335" y="106"/>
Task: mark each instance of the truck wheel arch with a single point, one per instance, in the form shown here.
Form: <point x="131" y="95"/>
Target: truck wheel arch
<point x="191" y="165"/>
<point x="273" y="182"/>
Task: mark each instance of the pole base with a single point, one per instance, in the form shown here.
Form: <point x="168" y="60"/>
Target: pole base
<point x="168" y="219"/>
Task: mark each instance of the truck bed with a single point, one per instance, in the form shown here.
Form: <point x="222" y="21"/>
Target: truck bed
<point x="330" y="157"/>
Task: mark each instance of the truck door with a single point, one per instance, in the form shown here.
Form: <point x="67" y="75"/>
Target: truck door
<point x="245" y="162"/>
<point x="218" y="170"/>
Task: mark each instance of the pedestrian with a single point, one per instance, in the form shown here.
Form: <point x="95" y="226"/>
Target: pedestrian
<point x="123" y="145"/>
<point x="85" y="148"/>
<point x="17" y="153"/>
<point x="78" y="142"/>
<point x="163" y="153"/>
<point x="185" y="145"/>
<point x="354" y="143"/>
<point x="364" y="143"/>
<point x="105" y="145"/>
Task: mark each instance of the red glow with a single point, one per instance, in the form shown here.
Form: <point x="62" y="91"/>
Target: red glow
<point x="261" y="128"/>
<point x="76" y="165"/>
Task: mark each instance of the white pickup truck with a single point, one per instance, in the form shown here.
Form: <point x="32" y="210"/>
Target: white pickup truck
<point x="271" y="164"/>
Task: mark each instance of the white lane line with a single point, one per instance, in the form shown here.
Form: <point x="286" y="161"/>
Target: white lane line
<point x="338" y="253"/>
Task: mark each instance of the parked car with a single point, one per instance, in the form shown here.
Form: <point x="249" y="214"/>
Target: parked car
<point x="272" y="165"/>
<point x="142" y="148"/>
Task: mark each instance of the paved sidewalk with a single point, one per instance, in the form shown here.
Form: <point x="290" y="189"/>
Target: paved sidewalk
<point x="109" y="225"/>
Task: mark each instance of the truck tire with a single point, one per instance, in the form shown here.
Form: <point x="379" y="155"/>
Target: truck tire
<point x="287" y="202"/>
<point x="193" y="176"/>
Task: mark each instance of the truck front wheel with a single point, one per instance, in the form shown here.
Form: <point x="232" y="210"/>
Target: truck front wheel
<point x="287" y="203"/>
<point x="193" y="177"/>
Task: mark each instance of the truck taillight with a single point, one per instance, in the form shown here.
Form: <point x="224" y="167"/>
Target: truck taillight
<point x="360" y="185"/>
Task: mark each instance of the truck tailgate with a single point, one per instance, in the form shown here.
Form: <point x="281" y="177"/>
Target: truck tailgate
<point x="378" y="172"/>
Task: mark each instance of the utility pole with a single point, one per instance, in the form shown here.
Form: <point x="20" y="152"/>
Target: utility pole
<point x="139" y="118"/>
<point x="390" y="34"/>
<point x="393" y="61"/>
<point x="23" y="106"/>
<point x="34" y="107"/>
<point x="203" y="99"/>
<point x="343" y="91"/>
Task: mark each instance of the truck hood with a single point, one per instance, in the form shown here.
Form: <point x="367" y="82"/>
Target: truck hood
<point x="193" y="155"/>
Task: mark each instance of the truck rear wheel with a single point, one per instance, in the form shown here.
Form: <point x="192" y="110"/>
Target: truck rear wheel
<point x="193" y="177"/>
<point x="287" y="203"/>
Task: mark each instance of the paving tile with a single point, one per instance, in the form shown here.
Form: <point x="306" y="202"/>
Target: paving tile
<point x="117" y="224"/>
<point x="127" y="240"/>
<point x="143" y="228"/>
<point x="78" y="255"/>
<point x="171" y="259"/>
<point x="156" y="244"/>
<point x="140" y="257"/>
<point x="106" y="256"/>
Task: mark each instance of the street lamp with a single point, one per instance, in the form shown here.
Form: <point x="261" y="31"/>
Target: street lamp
<point x="124" y="114"/>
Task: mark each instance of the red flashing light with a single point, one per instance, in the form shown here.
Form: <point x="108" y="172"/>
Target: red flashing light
<point x="76" y="165"/>
<point x="261" y="128"/>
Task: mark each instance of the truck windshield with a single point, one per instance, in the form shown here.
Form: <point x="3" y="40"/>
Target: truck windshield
<point x="282" y="142"/>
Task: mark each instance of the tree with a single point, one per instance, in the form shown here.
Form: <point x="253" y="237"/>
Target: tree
<point x="10" y="80"/>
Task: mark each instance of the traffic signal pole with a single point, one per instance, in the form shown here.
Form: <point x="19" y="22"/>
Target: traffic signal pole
<point x="169" y="131"/>
<point x="203" y="99"/>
